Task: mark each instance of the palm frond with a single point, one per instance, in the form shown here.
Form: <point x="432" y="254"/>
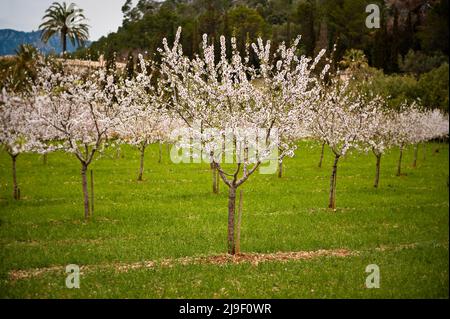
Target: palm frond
<point x="68" y="20"/>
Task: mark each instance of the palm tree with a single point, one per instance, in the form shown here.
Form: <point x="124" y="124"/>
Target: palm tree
<point x="69" y="21"/>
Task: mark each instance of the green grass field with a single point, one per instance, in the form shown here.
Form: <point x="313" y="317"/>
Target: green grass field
<point x="403" y="227"/>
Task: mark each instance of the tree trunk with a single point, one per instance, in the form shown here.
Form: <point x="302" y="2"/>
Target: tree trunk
<point x="231" y="211"/>
<point x="399" y="166"/>
<point x="321" y="155"/>
<point x="214" y="178"/>
<point x="141" y="166"/>
<point x="92" y="192"/>
<point x="15" y="187"/>
<point x="332" y="199"/>
<point x="85" y="190"/>
<point x="217" y="180"/>
<point x="44" y="157"/>
<point x="160" y="153"/>
<point x="280" y="168"/>
<point x="238" y="226"/>
<point x="64" y="42"/>
<point x="377" y="173"/>
<point x="416" y="151"/>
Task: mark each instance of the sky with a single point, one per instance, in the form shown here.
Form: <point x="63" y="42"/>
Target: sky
<point x="104" y="16"/>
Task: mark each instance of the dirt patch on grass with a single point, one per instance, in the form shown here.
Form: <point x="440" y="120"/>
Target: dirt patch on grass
<point x="30" y="273"/>
<point x="255" y="258"/>
<point x="222" y="259"/>
<point x="218" y="260"/>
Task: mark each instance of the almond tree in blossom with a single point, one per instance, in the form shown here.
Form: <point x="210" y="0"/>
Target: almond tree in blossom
<point x="143" y="119"/>
<point x="15" y="134"/>
<point x="412" y="125"/>
<point x="223" y="96"/>
<point x="406" y="124"/>
<point x="288" y="81"/>
<point x="339" y="117"/>
<point x="418" y="133"/>
<point x="436" y="124"/>
<point x="380" y="132"/>
<point x="78" y="112"/>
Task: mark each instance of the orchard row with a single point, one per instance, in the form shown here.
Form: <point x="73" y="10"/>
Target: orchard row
<point x="263" y="88"/>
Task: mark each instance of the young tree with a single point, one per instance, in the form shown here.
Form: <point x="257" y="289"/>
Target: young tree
<point x="406" y="124"/>
<point x="418" y="133"/>
<point x="143" y="119"/>
<point x="289" y="92"/>
<point x="379" y="135"/>
<point x="77" y="112"/>
<point x="226" y="99"/>
<point x="340" y="117"/>
<point x="435" y="126"/>
<point x="16" y="134"/>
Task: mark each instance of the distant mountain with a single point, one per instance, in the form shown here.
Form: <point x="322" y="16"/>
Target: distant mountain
<point x="11" y="39"/>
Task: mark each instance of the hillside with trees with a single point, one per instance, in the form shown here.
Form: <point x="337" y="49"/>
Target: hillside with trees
<point x="418" y="25"/>
<point x="402" y="59"/>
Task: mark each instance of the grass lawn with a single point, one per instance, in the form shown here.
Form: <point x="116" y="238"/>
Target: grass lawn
<point x="403" y="227"/>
